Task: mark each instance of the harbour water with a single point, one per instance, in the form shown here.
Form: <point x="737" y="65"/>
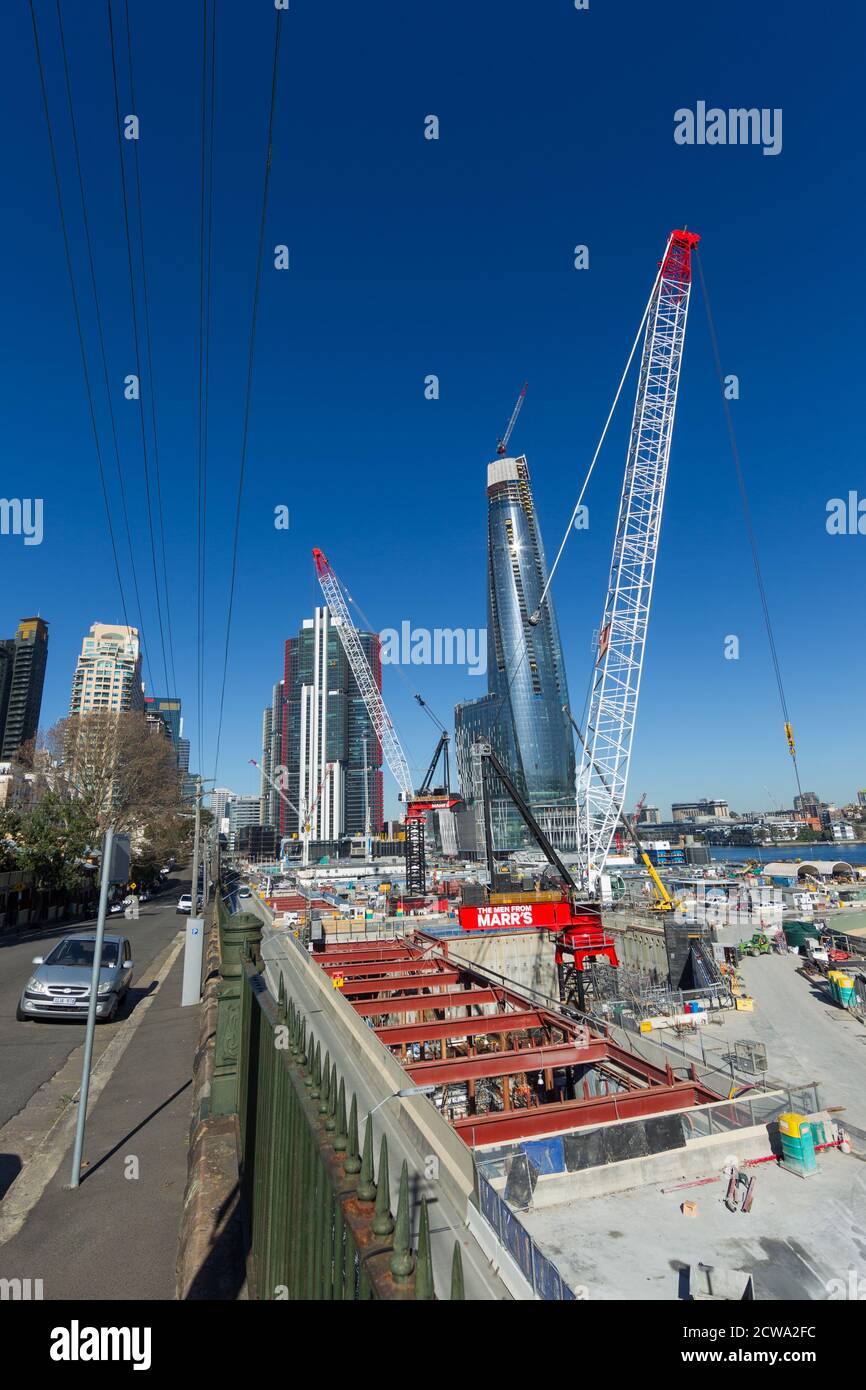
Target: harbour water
<point x="767" y="854"/>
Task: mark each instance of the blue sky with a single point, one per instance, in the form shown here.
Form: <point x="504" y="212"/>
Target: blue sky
<point x="455" y="257"/>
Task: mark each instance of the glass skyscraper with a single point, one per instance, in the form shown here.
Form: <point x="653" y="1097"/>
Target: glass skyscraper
<point x="522" y="714"/>
<point x="22" y="675"/>
<point x="325" y="727"/>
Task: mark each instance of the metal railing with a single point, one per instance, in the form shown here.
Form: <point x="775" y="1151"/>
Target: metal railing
<point x="319" y="1220"/>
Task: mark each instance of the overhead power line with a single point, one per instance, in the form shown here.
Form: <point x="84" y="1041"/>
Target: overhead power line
<point x="76" y="308"/>
<point x="136" y="338"/>
<point x="205" y="283"/>
<point x="73" y="127"/>
<point x="249" y="381"/>
<point x="149" y="350"/>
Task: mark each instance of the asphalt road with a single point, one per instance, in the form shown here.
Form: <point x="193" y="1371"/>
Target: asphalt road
<point x="31" y="1052"/>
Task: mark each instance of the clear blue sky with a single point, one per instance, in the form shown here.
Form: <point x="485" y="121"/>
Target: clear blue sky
<point x="454" y="257"/>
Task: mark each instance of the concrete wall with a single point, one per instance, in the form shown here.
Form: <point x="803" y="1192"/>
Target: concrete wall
<point x="640" y="947"/>
<point x="525" y="958"/>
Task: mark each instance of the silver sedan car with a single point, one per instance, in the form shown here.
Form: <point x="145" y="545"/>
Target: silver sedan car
<point x="60" y="985"/>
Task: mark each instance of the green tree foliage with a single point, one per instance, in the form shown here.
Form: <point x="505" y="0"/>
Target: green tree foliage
<point x="52" y="839"/>
<point x="93" y="771"/>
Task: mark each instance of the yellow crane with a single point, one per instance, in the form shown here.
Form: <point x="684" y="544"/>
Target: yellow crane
<point x="664" y="902"/>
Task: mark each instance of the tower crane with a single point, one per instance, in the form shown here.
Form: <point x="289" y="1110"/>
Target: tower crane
<point x="503" y="443"/>
<point x="603" y="774"/>
<point x="427" y="799"/>
<point x="305" y="817"/>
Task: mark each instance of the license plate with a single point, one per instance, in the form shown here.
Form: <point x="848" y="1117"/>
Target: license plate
<point x="67" y="1002"/>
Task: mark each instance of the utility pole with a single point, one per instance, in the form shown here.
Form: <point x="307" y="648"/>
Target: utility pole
<point x="195" y="847"/>
<point x="194" y="942"/>
<point x="81" y="1118"/>
<point x="206" y="873"/>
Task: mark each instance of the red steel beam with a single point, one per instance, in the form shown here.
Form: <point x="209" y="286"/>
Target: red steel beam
<point x="347" y="956"/>
<point x="502" y="1126"/>
<point x="483" y="1064"/>
<point x="386" y="967"/>
<point x="493" y="1024"/>
<point x="414" y="1003"/>
<point x="385" y="985"/>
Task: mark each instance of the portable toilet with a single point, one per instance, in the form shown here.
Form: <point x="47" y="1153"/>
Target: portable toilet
<point x="798" y="1144"/>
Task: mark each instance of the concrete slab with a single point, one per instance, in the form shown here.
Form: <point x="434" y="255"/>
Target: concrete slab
<point x="800" y="1236"/>
<point x="808" y="1037"/>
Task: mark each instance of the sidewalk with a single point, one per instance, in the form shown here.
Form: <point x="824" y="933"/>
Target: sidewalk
<point x="116" y="1236"/>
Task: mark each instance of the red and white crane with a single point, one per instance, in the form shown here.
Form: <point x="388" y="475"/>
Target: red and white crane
<point x="417" y="806"/>
<point x="601" y="783"/>
<point x="503" y="443"/>
<point x="383" y="728"/>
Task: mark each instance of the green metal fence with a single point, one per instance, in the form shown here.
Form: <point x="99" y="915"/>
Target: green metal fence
<point x="319" y="1215"/>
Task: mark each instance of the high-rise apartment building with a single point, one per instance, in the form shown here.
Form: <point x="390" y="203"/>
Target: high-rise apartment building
<point x="272" y="743"/>
<point x="168" y="709"/>
<point x="108" y="673"/>
<point x="219" y="801"/>
<point x="325" y="727"/>
<point x="22" y="675"/>
<point x="243" y="810"/>
<point x="522" y="714"/>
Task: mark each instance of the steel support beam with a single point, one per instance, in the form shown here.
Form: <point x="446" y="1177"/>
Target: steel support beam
<point x="491" y="1064"/>
<point x="419" y="1003"/>
<point x="492" y="1025"/>
<point x="386" y="967"/>
<point x="498" y="1128"/>
<point x="387" y="985"/>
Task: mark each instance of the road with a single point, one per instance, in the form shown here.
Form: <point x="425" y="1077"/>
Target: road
<point x="808" y="1037"/>
<point x="31" y="1053"/>
<point x="136" y="1148"/>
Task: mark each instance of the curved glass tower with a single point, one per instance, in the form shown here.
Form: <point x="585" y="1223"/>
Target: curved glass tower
<point x="522" y="713"/>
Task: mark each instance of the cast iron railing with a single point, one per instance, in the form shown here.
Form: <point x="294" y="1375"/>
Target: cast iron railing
<point x="319" y="1215"/>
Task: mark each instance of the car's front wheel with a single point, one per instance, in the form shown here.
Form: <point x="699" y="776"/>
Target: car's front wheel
<point x="21" y="1016"/>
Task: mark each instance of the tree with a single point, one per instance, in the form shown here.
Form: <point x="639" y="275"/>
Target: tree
<point x="52" y="840"/>
<point x="120" y="768"/>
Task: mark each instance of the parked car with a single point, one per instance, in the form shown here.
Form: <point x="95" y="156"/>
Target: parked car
<point x="60" y="985"/>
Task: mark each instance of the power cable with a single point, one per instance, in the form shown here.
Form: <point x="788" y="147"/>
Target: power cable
<point x="205" y="297"/>
<point x="149" y="352"/>
<point x="750" y="529"/>
<point x="73" y="127"/>
<point x="136" y="338"/>
<point x="199" y="541"/>
<point x="249" y="381"/>
<point x="75" y="307"/>
<point x="205" y="412"/>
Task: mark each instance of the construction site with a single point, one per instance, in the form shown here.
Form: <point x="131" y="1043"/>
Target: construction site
<point x="644" y="1065"/>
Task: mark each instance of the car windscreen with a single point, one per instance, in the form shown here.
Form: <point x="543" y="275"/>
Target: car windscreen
<point x="80" y="953"/>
